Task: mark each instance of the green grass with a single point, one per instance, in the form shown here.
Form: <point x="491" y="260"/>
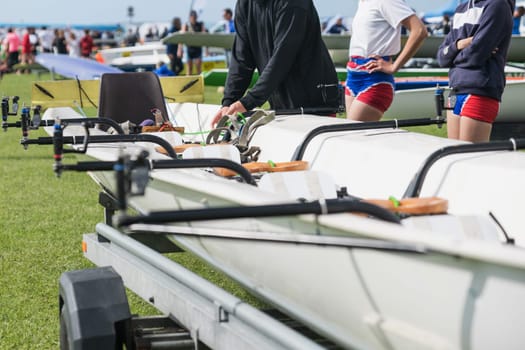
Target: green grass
<point x="43" y="219"/>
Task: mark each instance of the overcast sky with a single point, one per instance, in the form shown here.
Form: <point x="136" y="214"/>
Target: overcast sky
<point x="115" y="11"/>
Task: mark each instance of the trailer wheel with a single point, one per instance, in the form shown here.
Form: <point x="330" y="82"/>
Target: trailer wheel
<point x="93" y="309"/>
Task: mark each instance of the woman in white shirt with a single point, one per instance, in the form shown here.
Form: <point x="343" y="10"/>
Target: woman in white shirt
<point x="73" y="45"/>
<point x="376" y="38"/>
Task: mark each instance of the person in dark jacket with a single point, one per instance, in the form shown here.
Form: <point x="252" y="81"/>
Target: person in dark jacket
<point x="282" y="40"/>
<point x="475" y="50"/>
<point x="172" y="50"/>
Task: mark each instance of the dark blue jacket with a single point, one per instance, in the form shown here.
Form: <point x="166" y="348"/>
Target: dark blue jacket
<point x="172" y="48"/>
<point x="480" y="68"/>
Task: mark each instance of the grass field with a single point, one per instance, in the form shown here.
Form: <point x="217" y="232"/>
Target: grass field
<point x="43" y="219"/>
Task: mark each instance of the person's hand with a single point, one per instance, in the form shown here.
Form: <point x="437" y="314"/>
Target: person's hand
<point x="233" y="109"/>
<point x="464" y="43"/>
<point x="236" y="107"/>
<point x="379" y="64"/>
<point x="219" y="115"/>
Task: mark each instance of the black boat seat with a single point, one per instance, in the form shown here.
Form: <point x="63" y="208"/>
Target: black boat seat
<point x="131" y="97"/>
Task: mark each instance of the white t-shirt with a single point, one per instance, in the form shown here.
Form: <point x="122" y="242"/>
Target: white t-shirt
<point x="376" y="27"/>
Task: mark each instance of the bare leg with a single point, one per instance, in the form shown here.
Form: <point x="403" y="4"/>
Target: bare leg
<point x="190" y="67"/>
<point x="453" y="125"/>
<point x="348" y="102"/>
<point x="474" y="130"/>
<point x="357" y="110"/>
<point x="198" y="65"/>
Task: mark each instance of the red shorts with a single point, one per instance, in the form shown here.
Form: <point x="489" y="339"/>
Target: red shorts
<point x="379" y="96"/>
<point x="482" y="108"/>
<point x="374" y="89"/>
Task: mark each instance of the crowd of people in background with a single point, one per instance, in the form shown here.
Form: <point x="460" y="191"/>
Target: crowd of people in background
<point x="20" y="46"/>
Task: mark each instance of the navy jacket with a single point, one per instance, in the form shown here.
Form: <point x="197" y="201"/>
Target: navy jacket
<point x="480" y="68"/>
<point x="282" y="40"/>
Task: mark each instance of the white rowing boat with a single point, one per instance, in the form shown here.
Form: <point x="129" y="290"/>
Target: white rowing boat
<point x="145" y="57"/>
<point x="465" y="287"/>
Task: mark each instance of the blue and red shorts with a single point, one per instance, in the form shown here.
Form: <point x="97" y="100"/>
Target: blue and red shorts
<point x="374" y="89"/>
<point x="482" y="108"/>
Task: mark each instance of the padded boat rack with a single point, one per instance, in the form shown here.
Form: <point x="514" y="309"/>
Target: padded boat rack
<point x="387" y="124"/>
<point x="414" y="188"/>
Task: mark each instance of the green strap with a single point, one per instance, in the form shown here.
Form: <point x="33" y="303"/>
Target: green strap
<point x="394" y="201"/>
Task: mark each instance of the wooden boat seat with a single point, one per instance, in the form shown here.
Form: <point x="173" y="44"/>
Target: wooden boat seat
<point x="259" y="167"/>
<point x="163" y="128"/>
<point x="306" y="184"/>
<point x="414" y="206"/>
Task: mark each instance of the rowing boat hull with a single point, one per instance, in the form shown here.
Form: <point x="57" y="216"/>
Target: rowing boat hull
<point x="337" y="44"/>
<point x="217" y="76"/>
<point x="377" y="300"/>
